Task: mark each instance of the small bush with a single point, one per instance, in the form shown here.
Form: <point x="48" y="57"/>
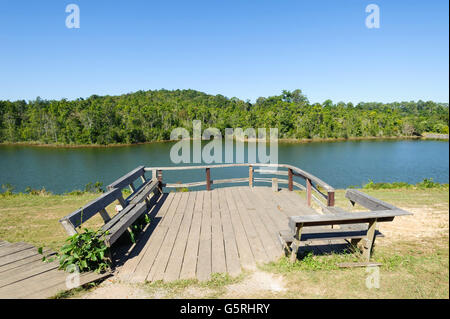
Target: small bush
<point x="87" y="251"/>
<point x="94" y="188"/>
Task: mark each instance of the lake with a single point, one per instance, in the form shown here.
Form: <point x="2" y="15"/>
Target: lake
<point x="340" y="164"/>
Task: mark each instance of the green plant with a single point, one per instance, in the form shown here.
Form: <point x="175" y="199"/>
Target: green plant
<point x="87" y="251"/>
<point x="94" y="188"/>
<point x="428" y="183"/>
<point x="8" y="189"/>
<point x="138" y="226"/>
<point x="37" y="192"/>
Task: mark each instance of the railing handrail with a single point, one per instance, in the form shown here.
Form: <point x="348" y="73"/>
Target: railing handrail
<point x="297" y="171"/>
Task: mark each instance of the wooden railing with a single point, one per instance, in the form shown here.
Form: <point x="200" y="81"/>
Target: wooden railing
<point x="313" y="183"/>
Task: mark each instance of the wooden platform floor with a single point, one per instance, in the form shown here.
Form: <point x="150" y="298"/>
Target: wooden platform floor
<point x="24" y="275"/>
<point x="195" y="234"/>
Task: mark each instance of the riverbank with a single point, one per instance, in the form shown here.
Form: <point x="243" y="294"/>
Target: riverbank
<point x="414" y="253"/>
<point x="425" y="136"/>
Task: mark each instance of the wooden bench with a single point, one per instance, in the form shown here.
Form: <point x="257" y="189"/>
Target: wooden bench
<point x="134" y="206"/>
<point x="359" y="227"/>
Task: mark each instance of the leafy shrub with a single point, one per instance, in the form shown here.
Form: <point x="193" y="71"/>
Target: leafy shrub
<point x="86" y="250"/>
<point x="94" y="188"/>
<point x="428" y="183"/>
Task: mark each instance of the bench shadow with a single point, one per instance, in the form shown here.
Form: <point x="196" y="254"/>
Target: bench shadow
<point x="338" y="247"/>
<point x="124" y="249"/>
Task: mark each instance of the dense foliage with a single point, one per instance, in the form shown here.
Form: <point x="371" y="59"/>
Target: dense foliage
<point x="151" y="115"/>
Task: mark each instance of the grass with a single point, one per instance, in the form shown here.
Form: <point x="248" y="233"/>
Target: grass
<point x="409" y="270"/>
<point x="414" y="265"/>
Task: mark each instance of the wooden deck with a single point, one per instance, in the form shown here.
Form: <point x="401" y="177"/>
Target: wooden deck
<point x="198" y="233"/>
<point x="24" y="275"/>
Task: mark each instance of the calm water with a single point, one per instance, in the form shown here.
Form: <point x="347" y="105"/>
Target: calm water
<point x="340" y="164"/>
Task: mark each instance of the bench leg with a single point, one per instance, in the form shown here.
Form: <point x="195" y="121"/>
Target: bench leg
<point x="294" y="250"/>
<point x="296" y="243"/>
<point x="356" y="244"/>
<point x="369" y="240"/>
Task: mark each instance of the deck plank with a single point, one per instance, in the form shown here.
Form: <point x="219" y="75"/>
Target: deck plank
<point x="154" y="243"/>
<point x="232" y="260"/>
<point x="264" y="226"/>
<point x="176" y="258"/>
<point x="296" y="205"/>
<point x="218" y="262"/>
<point x="204" y="249"/>
<point x="159" y="267"/>
<point x="244" y="248"/>
<point x="26" y="276"/>
<point x="189" y="267"/>
<point x="253" y="238"/>
<point x="146" y="240"/>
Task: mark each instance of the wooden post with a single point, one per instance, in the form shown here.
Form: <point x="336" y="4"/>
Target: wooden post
<point x="159" y="175"/>
<point x="122" y="201"/>
<point x="132" y="188"/>
<point x="143" y="179"/>
<point x="250" y="176"/>
<point x="208" y="179"/>
<point x="330" y="201"/>
<point x="290" y="180"/>
<point x="296" y="243"/>
<point x="104" y="215"/>
<point x="370" y="239"/>
<point x="275" y="184"/>
<point x="308" y="191"/>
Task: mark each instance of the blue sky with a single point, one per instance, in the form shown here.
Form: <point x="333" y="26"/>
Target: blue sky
<point x="242" y="48"/>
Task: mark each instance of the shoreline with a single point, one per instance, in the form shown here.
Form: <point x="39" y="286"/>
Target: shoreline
<point x="426" y="136"/>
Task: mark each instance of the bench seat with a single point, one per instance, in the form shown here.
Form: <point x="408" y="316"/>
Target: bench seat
<point x="286" y="237"/>
<point x="358" y="227"/>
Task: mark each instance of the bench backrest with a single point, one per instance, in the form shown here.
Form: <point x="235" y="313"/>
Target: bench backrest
<point x="127" y="179"/>
<point x="78" y="217"/>
<point x="367" y="201"/>
<point x="114" y="193"/>
<point x="345" y="218"/>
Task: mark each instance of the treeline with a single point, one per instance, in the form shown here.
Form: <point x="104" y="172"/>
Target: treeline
<point x="146" y="116"/>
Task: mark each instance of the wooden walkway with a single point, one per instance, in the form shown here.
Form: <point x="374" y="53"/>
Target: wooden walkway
<point x="195" y="234"/>
<point x="24" y="275"/>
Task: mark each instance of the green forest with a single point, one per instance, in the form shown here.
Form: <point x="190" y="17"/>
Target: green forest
<point x="146" y="116"/>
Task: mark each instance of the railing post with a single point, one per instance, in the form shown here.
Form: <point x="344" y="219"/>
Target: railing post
<point x="208" y="179"/>
<point x="159" y="176"/>
<point x="290" y="180"/>
<point x="308" y="191"/>
<point x="250" y="176"/>
<point x="330" y="201"/>
<point x="275" y="184"/>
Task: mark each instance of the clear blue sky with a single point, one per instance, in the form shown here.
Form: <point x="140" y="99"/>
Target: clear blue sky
<point x="242" y="48"/>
